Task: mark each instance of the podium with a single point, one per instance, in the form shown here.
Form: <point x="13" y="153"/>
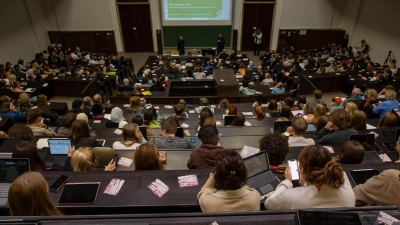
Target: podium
<point x="226" y="83"/>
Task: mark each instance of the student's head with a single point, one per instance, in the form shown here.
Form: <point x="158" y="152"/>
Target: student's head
<point x="321" y="123"/>
<point x="390" y="95"/>
<point x="299" y="125"/>
<point x="230" y="173"/>
<point x="372" y="94"/>
<point x="28" y="196"/>
<point x="79" y="129"/>
<point x="138" y="119"/>
<point x="147" y="157"/>
<point x="302" y="99"/>
<point x="83" y="159"/>
<point x="210" y="121"/>
<point x="179" y="109"/>
<point x="97" y="99"/>
<point x="317" y="94"/>
<point x="22" y="132"/>
<point x="340" y="118"/>
<point x="28" y="149"/>
<point x="351" y="107"/>
<point x="272" y="105"/>
<point x="209" y="135"/>
<point x="318" y="168"/>
<point x="224" y="103"/>
<point x="388" y="120"/>
<point x="258" y="112"/>
<point x="34" y="116"/>
<point x="97" y="110"/>
<point x="41" y="100"/>
<point x="203" y="102"/>
<point x="289" y="101"/>
<point x="352" y="152"/>
<point x="320" y="110"/>
<point x="232" y="110"/>
<point x="117" y="115"/>
<point x="131" y="133"/>
<point x="358" y="120"/>
<point x="134" y="103"/>
<point x="238" y="120"/>
<point x="6" y="106"/>
<point x="356" y="92"/>
<point x="168" y="127"/>
<point x="77" y="104"/>
<point x="68" y="119"/>
<point x="285" y="111"/>
<point x="148" y="116"/>
<point x="276" y="146"/>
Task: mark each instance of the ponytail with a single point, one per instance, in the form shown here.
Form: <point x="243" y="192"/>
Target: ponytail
<point x="331" y="174"/>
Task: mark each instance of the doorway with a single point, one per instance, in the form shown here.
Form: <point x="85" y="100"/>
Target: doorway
<point x="136" y="27"/>
<point x="257" y="16"/>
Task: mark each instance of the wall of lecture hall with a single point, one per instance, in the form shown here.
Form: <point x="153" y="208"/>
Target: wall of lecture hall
<point x="377" y="24"/>
<point x="19" y="36"/>
<point x="314" y="14"/>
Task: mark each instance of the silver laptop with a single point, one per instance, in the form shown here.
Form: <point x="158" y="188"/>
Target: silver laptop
<point x="58" y="152"/>
<point x="259" y="175"/>
<point x="10" y="169"/>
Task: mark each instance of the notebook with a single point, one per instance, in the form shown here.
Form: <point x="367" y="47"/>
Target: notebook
<point x="259" y="175"/>
<point x="368" y="141"/>
<point x="58" y="152"/>
<point x="10" y="169"/>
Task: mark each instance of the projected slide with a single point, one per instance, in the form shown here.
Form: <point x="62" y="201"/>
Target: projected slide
<point x="196" y="10"/>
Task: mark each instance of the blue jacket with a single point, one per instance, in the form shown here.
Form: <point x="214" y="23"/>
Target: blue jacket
<point x="278" y="91"/>
<point x="385" y="107"/>
<point x="16" y="117"/>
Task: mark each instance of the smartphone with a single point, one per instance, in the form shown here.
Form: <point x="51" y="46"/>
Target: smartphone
<point x="389" y="147"/>
<point x="116" y="158"/>
<point x="59" y="183"/>
<point x="293" y="164"/>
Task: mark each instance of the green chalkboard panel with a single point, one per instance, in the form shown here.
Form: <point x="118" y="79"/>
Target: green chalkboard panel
<point x="196" y="36"/>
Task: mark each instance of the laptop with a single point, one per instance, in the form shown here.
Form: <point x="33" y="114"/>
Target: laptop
<point x="79" y="193"/>
<point x="311" y="128"/>
<point x="357" y="177"/>
<point x="368" y="141"/>
<point x="334" y="107"/>
<point x="58" y="152"/>
<point x="391" y="147"/>
<point x="259" y="175"/>
<point x="280" y="126"/>
<point x="10" y="169"/>
<point x="228" y="120"/>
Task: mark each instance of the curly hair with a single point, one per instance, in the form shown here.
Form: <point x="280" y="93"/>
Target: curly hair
<point x="230" y="173"/>
<point x="276" y="146"/>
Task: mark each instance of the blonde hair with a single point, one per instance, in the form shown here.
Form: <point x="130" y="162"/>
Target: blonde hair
<point x="390" y="95"/>
<point x="351" y="107"/>
<point x="372" y="94"/>
<point x="83" y="159"/>
<point x="224" y="103"/>
<point x="28" y="196"/>
<point x="308" y="108"/>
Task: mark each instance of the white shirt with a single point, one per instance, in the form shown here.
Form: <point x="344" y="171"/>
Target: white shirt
<point x="257" y="38"/>
<point x="287" y="197"/>
<point x="300" y="141"/>
<point x="74" y="56"/>
<point x="118" y="145"/>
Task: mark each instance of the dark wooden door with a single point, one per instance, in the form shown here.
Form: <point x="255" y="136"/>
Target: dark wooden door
<point x="257" y="16"/>
<point x="136" y="27"/>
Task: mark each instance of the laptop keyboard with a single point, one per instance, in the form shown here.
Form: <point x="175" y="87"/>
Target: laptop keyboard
<point x="4" y="187"/>
<point x="371" y="155"/>
<point x="260" y="180"/>
<point x="54" y="159"/>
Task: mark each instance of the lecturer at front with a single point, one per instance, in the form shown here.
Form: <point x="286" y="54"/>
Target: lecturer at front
<point x="180" y="46"/>
<point x="220" y="43"/>
<point x="257" y="41"/>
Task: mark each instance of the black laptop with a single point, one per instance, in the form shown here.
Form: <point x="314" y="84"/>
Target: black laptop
<point x="228" y="119"/>
<point x="281" y="126"/>
<point x="357" y="177"/>
<point x="259" y="174"/>
<point x="143" y="129"/>
<point x="368" y="141"/>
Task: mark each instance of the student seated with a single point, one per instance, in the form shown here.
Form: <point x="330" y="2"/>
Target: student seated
<point x="276" y="146"/>
<point x="169" y="140"/>
<point x="22" y="132"/>
<point x="8" y="109"/>
<point x="29" y="151"/>
<point x="226" y="189"/>
<point x="66" y="121"/>
<point x="204" y="114"/>
<point x="388" y="120"/>
<point x="323" y="184"/>
<point x="149" y="117"/>
<point x="388" y="105"/>
<point x="299" y="126"/>
<point x="238" y="120"/>
<point x="28" y="196"/>
<point x="34" y="122"/>
<point x="180" y="111"/>
<point x="147" y="157"/>
<point x="352" y="152"/>
<point x="135" y="105"/>
<point x="358" y="120"/>
<point x="336" y="131"/>
<point x="138" y="119"/>
<point x="278" y="89"/>
<point x="207" y="154"/>
<point x="203" y="103"/>
<point x="157" y="86"/>
<point x="317" y="98"/>
<point x="250" y="90"/>
<point x="258" y="112"/>
<point x="131" y="137"/>
<point x="80" y="135"/>
<point x="84" y="159"/>
<point x="117" y="119"/>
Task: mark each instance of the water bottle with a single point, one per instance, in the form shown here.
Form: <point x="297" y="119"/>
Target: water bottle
<point x="193" y="141"/>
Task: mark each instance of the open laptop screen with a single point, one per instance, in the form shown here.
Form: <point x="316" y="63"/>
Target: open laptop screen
<point x="367" y="140"/>
<point x="256" y="164"/>
<point x="10" y="169"/>
<point x="59" y="146"/>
